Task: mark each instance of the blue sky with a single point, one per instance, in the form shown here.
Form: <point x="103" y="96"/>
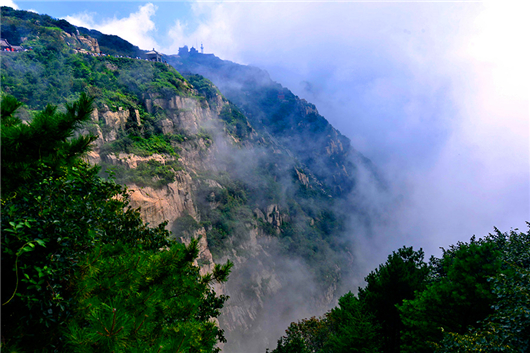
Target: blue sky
<point x="435" y="93"/>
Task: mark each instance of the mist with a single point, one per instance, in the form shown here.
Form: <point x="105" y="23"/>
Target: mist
<point x="435" y="94"/>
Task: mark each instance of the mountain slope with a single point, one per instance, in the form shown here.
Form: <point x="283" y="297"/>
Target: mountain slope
<point x="274" y="109"/>
<point x="262" y="179"/>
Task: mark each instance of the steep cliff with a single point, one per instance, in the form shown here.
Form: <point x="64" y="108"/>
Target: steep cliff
<point x="262" y="179"/>
<point x="239" y="197"/>
<point x="274" y="109"/>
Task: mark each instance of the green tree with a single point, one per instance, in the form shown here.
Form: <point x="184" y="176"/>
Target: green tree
<point x="398" y="279"/>
<point x="353" y="328"/>
<point x="77" y="260"/>
<point x="305" y="336"/>
<point x="135" y="300"/>
<point x="507" y="329"/>
<point x="48" y="141"/>
<point x="346" y="328"/>
<point x="459" y="296"/>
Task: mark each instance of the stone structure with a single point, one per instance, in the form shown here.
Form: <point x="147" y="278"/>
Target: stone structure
<point x="154" y="56"/>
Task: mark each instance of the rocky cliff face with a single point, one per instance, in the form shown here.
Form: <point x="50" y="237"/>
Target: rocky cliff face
<point x="260" y="276"/>
<point x="82" y="42"/>
<point x="262" y="180"/>
<point x="293" y="122"/>
<point x="184" y="115"/>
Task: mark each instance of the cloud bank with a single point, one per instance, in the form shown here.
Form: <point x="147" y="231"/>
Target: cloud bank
<point x="9" y="3"/>
<point x="436" y="94"/>
<point x="137" y="28"/>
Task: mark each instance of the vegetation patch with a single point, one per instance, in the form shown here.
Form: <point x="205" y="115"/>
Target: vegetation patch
<point x="236" y="122"/>
<point x="185" y="223"/>
<point x="143" y="147"/>
<point x="151" y="173"/>
<point x="204" y="86"/>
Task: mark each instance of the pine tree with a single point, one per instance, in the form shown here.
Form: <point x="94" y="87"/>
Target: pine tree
<point x="78" y="263"/>
<point x="48" y="140"/>
<point x="398" y="279"/>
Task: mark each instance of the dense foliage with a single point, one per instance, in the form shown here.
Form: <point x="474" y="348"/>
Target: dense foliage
<point x="398" y="279"/>
<point x="17" y="25"/>
<point x="80" y="270"/>
<point x="475" y="298"/>
<point x="204" y="86"/>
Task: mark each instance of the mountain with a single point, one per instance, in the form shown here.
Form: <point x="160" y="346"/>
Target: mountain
<point x="220" y="152"/>
<point x="275" y="110"/>
<point x="20" y="25"/>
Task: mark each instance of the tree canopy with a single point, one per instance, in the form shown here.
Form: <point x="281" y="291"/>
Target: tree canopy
<point x="475" y="298"/>
<point x="80" y="270"/>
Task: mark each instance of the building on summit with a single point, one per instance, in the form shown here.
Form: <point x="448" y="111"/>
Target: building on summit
<point x="154" y="56"/>
<point x="185" y="52"/>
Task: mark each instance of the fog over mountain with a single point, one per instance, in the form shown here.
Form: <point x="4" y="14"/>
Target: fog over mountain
<point x="435" y="94"/>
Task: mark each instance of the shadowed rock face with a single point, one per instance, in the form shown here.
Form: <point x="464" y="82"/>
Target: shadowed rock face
<point x="293" y="122"/>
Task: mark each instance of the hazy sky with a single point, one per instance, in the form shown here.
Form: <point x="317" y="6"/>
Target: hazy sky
<point x="435" y="93"/>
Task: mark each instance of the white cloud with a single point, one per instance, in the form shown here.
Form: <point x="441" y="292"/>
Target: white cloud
<point x="136" y="28"/>
<point x="216" y="31"/>
<point x="435" y="93"/>
<point x="9" y="3"/>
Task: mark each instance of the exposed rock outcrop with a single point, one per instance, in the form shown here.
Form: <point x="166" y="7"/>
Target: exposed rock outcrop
<point x="302" y="177"/>
<point x="260" y="278"/>
<point x="187" y="114"/>
<point x="90" y="42"/>
<point x="167" y="203"/>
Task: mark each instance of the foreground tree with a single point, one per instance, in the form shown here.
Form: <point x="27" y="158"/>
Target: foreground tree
<point x="80" y="269"/>
<point x="403" y="274"/>
<point x="507" y="328"/>
<point x="353" y="328"/>
<point x="477" y="286"/>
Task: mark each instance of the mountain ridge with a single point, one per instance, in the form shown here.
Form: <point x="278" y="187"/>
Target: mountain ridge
<point x="237" y="175"/>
